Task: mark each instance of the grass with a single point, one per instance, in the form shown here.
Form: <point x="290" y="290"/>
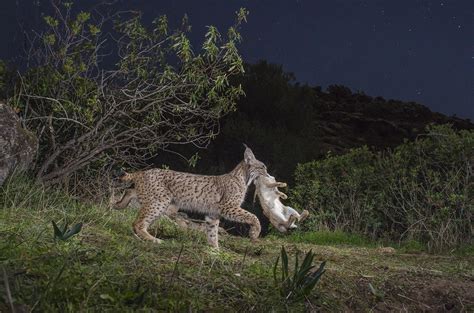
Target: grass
<point x="329" y="238"/>
<point x="339" y="238"/>
<point x="105" y="268"/>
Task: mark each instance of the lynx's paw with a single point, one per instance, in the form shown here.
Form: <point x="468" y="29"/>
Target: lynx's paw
<point x="255" y="240"/>
<point x="152" y="239"/>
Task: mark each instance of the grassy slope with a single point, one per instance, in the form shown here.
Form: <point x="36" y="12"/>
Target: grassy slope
<point x="105" y="268"/>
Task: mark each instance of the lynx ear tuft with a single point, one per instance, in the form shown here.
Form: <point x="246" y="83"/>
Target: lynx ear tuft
<point x="248" y="155"/>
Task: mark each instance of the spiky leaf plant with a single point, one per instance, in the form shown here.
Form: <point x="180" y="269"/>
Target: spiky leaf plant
<point x="66" y="233"/>
<point x="296" y="286"/>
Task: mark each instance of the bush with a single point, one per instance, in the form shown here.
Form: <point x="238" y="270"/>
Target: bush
<point x="339" y="191"/>
<point x="160" y="93"/>
<point x="422" y="191"/>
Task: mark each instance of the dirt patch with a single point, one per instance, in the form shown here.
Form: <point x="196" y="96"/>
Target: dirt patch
<point x="421" y="295"/>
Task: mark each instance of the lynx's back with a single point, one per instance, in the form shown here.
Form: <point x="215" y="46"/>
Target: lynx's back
<point x="189" y="192"/>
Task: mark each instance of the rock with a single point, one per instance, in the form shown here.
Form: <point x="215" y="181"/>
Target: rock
<point x="18" y="146"/>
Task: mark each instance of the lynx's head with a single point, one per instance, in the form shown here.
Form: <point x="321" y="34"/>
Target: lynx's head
<point x="254" y="167"/>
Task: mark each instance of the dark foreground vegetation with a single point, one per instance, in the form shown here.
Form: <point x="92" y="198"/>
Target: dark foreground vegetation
<point x="389" y="184"/>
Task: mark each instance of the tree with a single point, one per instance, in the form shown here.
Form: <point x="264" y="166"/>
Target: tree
<point x="158" y="94"/>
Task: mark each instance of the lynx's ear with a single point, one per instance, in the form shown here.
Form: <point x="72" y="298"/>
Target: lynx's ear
<point x="248" y="155"/>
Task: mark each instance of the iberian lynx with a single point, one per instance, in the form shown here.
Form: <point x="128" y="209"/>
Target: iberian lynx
<point x="161" y="191"/>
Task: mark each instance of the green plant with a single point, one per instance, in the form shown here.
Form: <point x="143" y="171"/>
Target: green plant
<point x="421" y="191"/>
<point x="161" y="93"/>
<point x="294" y="287"/>
<point x="66" y="233"/>
<point x="339" y="190"/>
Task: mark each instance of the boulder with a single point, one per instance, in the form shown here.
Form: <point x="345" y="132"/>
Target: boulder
<point x="18" y="146"/>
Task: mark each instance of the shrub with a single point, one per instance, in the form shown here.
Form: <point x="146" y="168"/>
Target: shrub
<point x="428" y="188"/>
<point x="160" y="93"/>
<point x="340" y="192"/>
<point x="422" y="191"/>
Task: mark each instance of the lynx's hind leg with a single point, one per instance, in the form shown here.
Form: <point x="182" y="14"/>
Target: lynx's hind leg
<point x="212" y="228"/>
<point x="172" y="210"/>
<point x="152" y="208"/>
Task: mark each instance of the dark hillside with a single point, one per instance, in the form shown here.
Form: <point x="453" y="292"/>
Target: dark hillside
<point x="286" y="123"/>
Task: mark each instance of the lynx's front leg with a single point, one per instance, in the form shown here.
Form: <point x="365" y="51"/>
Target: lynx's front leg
<point x="241" y="216"/>
<point x="212" y="228"/>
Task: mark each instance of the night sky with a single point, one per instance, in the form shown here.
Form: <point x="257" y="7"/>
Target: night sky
<point x="420" y="51"/>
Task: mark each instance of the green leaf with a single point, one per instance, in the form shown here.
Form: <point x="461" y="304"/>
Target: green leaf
<point x="74" y="230"/>
<point x="57" y="233"/>
<point x="65" y="227"/>
<point x="275" y="269"/>
<point x="284" y="264"/>
<point x="296" y="272"/>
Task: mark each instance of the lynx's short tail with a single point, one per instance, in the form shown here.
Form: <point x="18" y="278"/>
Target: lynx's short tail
<point x="127" y="177"/>
<point x="123" y="176"/>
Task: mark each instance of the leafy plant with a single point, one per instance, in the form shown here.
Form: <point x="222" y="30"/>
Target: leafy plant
<point x="66" y="233"/>
<point x="161" y="93"/>
<point x="294" y="287"/>
<point x="421" y="191"/>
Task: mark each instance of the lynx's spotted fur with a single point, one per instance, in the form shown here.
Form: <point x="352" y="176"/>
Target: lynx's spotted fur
<point x="162" y="192"/>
